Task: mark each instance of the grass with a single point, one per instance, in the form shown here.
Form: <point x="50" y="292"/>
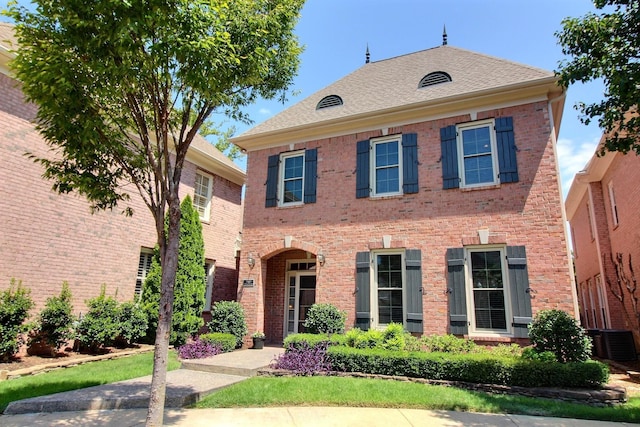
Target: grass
<point x="339" y="391"/>
<point x="81" y="376"/>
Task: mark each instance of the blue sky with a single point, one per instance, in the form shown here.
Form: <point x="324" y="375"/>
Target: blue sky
<point x="336" y="33"/>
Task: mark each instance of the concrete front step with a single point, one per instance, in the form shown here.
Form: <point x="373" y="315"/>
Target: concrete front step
<point x="240" y="362"/>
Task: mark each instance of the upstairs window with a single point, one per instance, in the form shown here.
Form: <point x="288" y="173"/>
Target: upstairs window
<point x="614" y="206"/>
<point x="202" y="195"/>
<point x="291" y="178"/>
<point x="386" y="173"/>
<point x="478" y="154"/>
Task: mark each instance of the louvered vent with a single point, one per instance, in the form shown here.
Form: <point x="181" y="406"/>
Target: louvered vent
<point x="329" y="101"/>
<point x="434" y="79"/>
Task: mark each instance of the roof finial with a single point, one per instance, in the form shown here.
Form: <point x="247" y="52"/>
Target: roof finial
<point x="444" y="35"/>
<point x="367" y="55"/>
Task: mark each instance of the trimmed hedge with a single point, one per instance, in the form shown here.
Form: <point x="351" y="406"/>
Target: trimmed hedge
<point x="474" y="368"/>
<point x="300" y="341"/>
<point x="227" y="342"/>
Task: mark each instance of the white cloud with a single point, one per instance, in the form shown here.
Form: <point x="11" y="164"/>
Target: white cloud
<point x="572" y="158"/>
<point x="265" y="111"/>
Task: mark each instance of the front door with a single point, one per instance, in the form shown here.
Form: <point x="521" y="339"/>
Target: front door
<point x="301" y="295"/>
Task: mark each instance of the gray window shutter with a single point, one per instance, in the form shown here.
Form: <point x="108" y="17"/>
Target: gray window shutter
<point x="409" y="163"/>
<point x="413" y="261"/>
<point x="310" y="175"/>
<point x="458" y="323"/>
<point x="520" y="291"/>
<point x="272" y="181"/>
<point x="449" y="147"/>
<point x="506" y="150"/>
<point x="363" y="188"/>
<point x="363" y="296"/>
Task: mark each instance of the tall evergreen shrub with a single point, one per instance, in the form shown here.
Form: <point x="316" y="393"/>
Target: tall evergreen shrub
<point x="189" y="290"/>
<point x="55" y="320"/>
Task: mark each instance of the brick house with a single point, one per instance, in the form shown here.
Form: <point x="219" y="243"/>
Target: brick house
<point x="422" y="189"/>
<point x="48" y="238"/>
<point x="602" y="208"/>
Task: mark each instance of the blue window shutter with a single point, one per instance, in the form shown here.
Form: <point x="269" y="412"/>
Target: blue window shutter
<point x="362" y="170"/>
<point x="363" y="297"/>
<point x="310" y="175"/>
<point x="272" y="181"/>
<point x="413" y="261"/>
<point x="458" y="323"/>
<point x="449" y="146"/>
<point x="410" y="163"/>
<point x="520" y="292"/>
<point x="506" y="150"/>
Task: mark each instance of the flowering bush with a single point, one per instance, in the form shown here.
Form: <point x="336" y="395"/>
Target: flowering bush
<point x="198" y="349"/>
<point x="304" y="359"/>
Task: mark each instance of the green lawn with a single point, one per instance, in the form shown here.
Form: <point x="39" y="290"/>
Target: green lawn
<point x="338" y="391"/>
<point x="81" y="376"/>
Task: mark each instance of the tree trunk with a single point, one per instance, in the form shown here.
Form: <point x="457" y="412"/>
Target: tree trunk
<point x="169" y="261"/>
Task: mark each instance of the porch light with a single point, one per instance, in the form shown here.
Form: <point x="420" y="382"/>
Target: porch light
<point x="251" y="261"/>
<point x="321" y="258"/>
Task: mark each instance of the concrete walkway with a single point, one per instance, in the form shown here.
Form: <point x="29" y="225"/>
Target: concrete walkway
<point x="124" y="404"/>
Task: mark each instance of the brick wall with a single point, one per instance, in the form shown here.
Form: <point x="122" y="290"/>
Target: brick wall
<point x="48" y="238"/>
<point x="339" y="225"/>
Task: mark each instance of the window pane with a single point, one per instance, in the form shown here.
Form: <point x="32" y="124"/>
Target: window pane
<point x="478" y="169"/>
<point x="390" y="306"/>
<point x="488" y="296"/>
<point x="293" y="191"/>
<point x="486" y="269"/>
<point x="396" y="279"/>
<point x="476" y="141"/>
<point x="293" y="167"/>
<point x="387" y="154"/>
<point x="387" y="180"/>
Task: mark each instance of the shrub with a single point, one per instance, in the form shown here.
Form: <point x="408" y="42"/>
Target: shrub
<point x="369" y="339"/>
<point x="132" y="322"/>
<point x="15" y="304"/>
<point x="530" y="353"/>
<point x="189" y="290"/>
<point x="325" y="319"/>
<point x="228" y="317"/>
<point x="448" y="344"/>
<point x="55" y="320"/>
<point x="304" y="359"/>
<point x="99" y="327"/>
<point x="394" y="337"/>
<point x="226" y="342"/>
<point x="503" y="350"/>
<point x="198" y="349"/>
<point x="556" y="331"/>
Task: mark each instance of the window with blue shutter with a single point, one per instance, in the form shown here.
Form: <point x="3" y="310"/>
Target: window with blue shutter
<point x="292" y="178"/>
<point x="413" y="266"/>
<point x="458" y="323"/>
<point x="362" y="169"/>
<point x="506" y="150"/>
<point x="520" y="290"/>
<point x="410" y="163"/>
<point x="272" y="181"/>
<point x="449" y="158"/>
<point x="362" y="291"/>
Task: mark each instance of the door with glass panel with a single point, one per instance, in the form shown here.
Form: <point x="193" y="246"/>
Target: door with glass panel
<point x="301" y="295"/>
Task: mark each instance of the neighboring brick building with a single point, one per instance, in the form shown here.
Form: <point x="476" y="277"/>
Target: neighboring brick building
<point x="602" y="207"/>
<point x="48" y="238"/>
<point x="392" y="191"/>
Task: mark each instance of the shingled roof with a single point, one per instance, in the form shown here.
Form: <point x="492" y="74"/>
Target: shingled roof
<point x="387" y="86"/>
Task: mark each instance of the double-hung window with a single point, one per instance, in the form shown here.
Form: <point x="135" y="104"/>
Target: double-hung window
<point x="387" y="167"/>
<point x="614" y="206"/>
<point x="202" y="195"/>
<point x="292" y="178"/>
<point x="478" y="154"/>
<point x="487" y="289"/>
<point x="389" y="288"/>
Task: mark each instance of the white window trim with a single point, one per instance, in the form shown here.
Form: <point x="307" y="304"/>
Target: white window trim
<point x="207" y="210"/>
<point x="283" y="157"/>
<point x="614" y="206"/>
<point x="209" y="284"/>
<point x="471" y="314"/>
<point x="494" y="152"/>
<point x="147" y="253"/>
<point x="288" y="274"/>
<point x="594" y="314"/>
<point x="592" y="226"/>
<point x="375" y="323"/>
<point x="372" y="165"/>
<point x="602" y="300"/>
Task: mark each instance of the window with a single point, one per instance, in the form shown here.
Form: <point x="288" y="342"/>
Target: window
<point x="209" y="271"/>
<point x="488" y="291"/>
<point x="291" y="178"/>
<point x="389" y="289"/>
<point x="590" y="219"/>
<point x="478" y="154"/>
<point x="614" y="206"/>
<point x="202" y="195"/>
<point x="387" y="166"/>
<point x="592" y="303"/>
<point x="144" y="265"/>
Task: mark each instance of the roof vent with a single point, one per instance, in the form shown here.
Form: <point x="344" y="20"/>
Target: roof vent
<point x="329" y="101"/>
<point x="434" y="78"/>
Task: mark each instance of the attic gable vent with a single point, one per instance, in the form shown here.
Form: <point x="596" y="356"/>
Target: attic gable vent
<point x="434" y="78"/>
<point x="329" y="101"/>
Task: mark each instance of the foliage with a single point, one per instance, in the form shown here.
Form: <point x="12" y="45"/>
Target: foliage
<point x="503" y="350"/>
<point x="189" y="289"/>
<point x="312" y="340"/>
<point x="258" y="334"/>
<point x="99" y="326"/>
<point x="226" y="342"/>
<point x="556" y="331"/>
<point x="324" y="318"/>
<point x="198" y="349"/>
<point x="448" y="344"/>
<point x="228" y="317"/>
<point x="475" y="368"/>
<point x="530" y="353"/>
<point x="394" y="337"/>
<point x="55" y="320"/>
<point x="304" y="359"/>
<point x="15" y="304"/>
<point x="132" y="322"/>
<point x="605" y="47"/>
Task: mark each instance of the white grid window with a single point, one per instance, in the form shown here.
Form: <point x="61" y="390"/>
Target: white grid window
<point x="202" y="195"/>
<point x="291" y="178"/>
<point x="477" y="154"/>
<point x="144" y="265"/>
<point x="614" y="206"/>
<point x="386" y="171"/>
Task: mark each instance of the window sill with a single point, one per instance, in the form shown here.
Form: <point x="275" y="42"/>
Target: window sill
<point x="385" y="197"/>
<point x="296" y="206"/>
<point x="481" y="187"/>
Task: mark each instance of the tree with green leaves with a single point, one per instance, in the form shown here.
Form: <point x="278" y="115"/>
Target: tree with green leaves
<point x="606" y="46"/>
<point x="190" y="286"/>
<point x="115" y="84"/>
